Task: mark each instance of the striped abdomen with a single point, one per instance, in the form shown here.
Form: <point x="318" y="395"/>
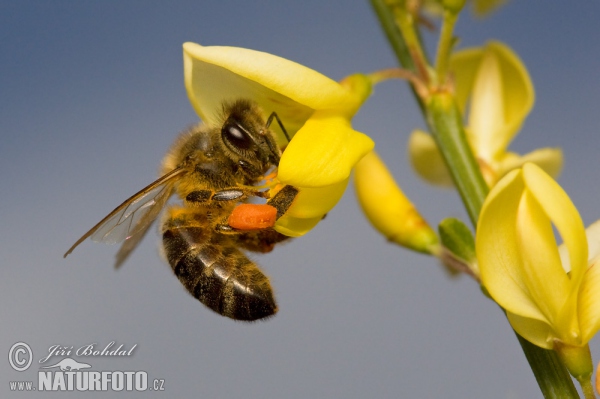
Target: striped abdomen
<point x="214" y="271"/>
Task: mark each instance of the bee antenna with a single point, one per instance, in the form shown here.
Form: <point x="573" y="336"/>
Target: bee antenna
<point x="274" y="115"/>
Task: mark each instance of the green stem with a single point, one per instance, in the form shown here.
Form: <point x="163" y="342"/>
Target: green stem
<point x="445" y="46"/>
<point x="396" y="40"/>
<point x="445" y="123"/>
<point x="550" y="373"/>
<point x="587" y="388"/>
<point x="393" y="34"/>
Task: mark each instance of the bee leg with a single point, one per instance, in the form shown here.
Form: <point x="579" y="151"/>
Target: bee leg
<point x="231" y="194"/>
<point x="283" y="200"/>
<point x="260" y="240"/>
<point x="199" y="196"/>
<point x="227" y="194"/>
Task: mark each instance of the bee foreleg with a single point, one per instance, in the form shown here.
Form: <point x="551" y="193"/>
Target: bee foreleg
<point x="283" y="200"/>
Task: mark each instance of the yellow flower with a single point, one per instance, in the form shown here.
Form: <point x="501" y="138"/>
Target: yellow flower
<point x="495" y="84"/>
<point x="551" y="294"/>
<point x="388" y="209"/>
<point x="314" y="109"/>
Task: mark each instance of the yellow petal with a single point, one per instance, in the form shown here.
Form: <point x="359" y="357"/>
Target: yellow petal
<point x="550" y="160"/>
<point x="592" y="233"/>
<point x="518" y="86"/>
<point x="388" y="209"/>
<point x="535" y="331"/>
<point x="593" y="239"/>
<point x="589" y="301"/>
<point x="557" y="204"/>
<point x="323" y="152"/>
<point x="464" y="65"/>
<point x="361" y="87"/>
<point x="486" y="116"/>
<point x="541" y="274"/>
<point x="498" y="251"/>
<point x="216" y="74"/>
<point x="427" y="160"/>
<point x="497" y="76"/>
<point x="316" y="202"/>
<point x="295" y="227"/>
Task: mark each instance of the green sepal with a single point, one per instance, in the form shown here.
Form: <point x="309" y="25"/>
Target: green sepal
<point x="457" y="238"/>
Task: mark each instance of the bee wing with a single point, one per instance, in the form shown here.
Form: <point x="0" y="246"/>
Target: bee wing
<point x="134" y="216"/>
<point x="145" y="222"/>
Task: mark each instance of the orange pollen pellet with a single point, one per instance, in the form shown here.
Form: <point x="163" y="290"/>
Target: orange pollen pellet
<point x="252" y="216"/>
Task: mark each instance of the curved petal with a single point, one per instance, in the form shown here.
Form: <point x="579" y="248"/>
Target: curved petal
<point x="593" y="239"/>
<point x="289" y="78"/>
<point x="592" y="233"/>
<point x="499" y="87"/>
<point x="498" y="251"/>
<point x="550" y="160"/>
<point x="388" y="209"/>
<point x="323" y="152"/>
<point x="316" y="202"/>
<point x="542" y="273"/>
<point x="295" y="227"/>
<point x="535" y="331"/>
<point x="464" y="65"/>
<point x="487" y="115"/>
<point x="589" y="301"/>
<point x="361" y="87"/>
<point x="519" y="88"/>
<point x="212" y="78"/>
<point x="427" y="160"/>
<point x="558" y="206"/>
<point x="216" y="74"/>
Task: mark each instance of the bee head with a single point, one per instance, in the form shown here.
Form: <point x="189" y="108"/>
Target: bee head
<point x="247" y="138"/>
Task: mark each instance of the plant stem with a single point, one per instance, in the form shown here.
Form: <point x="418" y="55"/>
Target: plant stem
<point x="396" y="40"/>
<point x="445" y="46"/>
<point x="393" y="34"/>
<point x="445" y="123"/>
<point x="587" y="388"/>
<point x="550" y="373"/>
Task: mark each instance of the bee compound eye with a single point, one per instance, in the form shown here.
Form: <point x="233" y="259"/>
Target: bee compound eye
<point x="236" y="136"/>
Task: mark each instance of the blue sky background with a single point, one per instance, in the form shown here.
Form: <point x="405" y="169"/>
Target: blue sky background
<point x="91" y="96"/>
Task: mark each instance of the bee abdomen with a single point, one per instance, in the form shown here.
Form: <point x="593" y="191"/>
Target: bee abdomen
<point x="219" y="275"/>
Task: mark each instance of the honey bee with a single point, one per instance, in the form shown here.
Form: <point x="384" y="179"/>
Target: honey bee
<point x="212" y="169"/>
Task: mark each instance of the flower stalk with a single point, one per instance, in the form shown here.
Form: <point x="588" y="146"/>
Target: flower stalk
<point x="445" y="123"/>
<point x="445" y="44"/>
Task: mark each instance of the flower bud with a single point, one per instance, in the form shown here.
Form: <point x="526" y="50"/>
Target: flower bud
<point x="388" y="209"/>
